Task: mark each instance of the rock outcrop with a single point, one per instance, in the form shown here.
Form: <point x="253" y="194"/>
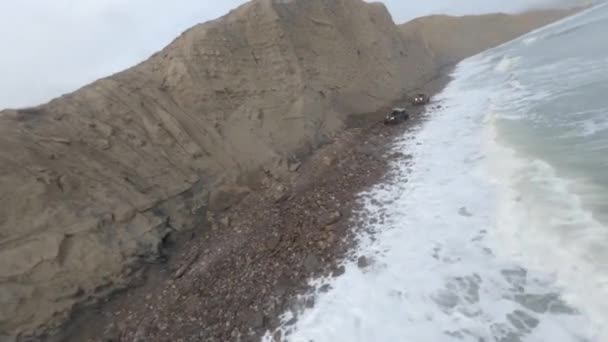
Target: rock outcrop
<point x="92" y="182"/>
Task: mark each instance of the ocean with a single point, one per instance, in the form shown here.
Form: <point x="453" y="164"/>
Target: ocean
<point x="498" y="229"/>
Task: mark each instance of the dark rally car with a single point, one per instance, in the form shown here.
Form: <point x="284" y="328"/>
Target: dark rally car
<point x="396" y="116"/>
<point x="420" y="99"/>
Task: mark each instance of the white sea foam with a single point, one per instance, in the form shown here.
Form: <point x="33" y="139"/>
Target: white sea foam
<point x="530" y="40"/>
<point x="493" y="233"/>
<point x="543" y="224"/>
<point x="594" y="126"/>
<point x="506" y="63"/>
<point x="438" y="272"/>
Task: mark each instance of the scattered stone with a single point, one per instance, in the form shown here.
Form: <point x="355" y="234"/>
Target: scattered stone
<point x="516" y="277"/>
<point x="312" y="263"/>
<point x="447" y="299"/>
<point x="273" y="241"/>
<point x="328" y="161"/>
<point x="253" y="318"/>
<point x="141" y="332"/>
<point x="325" y="288"/>
<point x="523" y="321"/>
<point x="503" y="333"/>
<point x="396" y="155"/>
<point x="279" y="193"/>
<point x="329" y="236"/>
<point x="367" y="150"/>
<point x="282" y="285"/>
<point x="469" y="287"/>
<point x="225" y="221"/>
<point x="185" y="266"/>
<point x="339" y="271"/>
<point x="111" y="333"/>
<point x="291" y="322"/>
<point x="543" y="303"/>
<point x="363" y="262"/>
<point x="310" y="302"/>
<point x="457" y="334"/>
<point x="331" y="218"/>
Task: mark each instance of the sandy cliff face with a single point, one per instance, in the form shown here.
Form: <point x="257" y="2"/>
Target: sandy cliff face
<point x="94" y="180"/>
<point x="91" y="183"/>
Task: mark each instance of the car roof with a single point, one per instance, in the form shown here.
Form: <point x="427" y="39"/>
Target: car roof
<point x="398" y="109"/>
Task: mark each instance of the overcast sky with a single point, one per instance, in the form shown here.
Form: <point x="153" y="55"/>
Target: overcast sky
<point x="50" y="47"/>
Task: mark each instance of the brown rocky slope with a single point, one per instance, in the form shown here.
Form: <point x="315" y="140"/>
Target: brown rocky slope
<point x="92" y="182"/>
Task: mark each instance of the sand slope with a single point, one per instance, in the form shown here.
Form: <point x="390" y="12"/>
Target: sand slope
<point x="92" y="182"/>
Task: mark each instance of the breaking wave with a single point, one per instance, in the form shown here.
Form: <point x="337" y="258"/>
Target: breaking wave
<point x="498" y="231"/>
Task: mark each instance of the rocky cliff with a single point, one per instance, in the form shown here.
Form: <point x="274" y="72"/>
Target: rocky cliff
<point x="92" y="182"/>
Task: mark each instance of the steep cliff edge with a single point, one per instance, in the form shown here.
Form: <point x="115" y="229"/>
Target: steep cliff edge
<point x="92" y="182"/>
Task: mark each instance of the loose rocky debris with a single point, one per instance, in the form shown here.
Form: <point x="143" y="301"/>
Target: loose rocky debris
<point x="232" y="282"/>
<point x="109" y="171"/>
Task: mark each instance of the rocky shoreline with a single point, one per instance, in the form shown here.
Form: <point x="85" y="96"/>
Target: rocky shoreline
<point x="231" y="282"/>
<point x="213" y="135"/>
